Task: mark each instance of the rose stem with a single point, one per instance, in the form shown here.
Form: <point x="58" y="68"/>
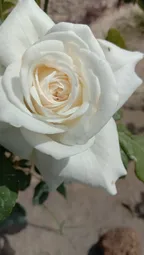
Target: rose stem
<point x="46" y="5"/>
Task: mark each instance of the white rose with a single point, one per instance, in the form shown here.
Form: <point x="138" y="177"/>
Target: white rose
<point x="58" y="94"/>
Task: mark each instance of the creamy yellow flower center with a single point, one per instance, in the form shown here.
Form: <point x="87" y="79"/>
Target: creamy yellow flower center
<point x="57" y="94"/>
<point x="54" y="83"/>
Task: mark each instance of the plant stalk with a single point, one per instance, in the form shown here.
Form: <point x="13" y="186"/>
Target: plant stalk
<point x="1" y="11"/>
<point x="46" y="6"/>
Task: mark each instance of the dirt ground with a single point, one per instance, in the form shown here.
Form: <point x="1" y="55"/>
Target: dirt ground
<point x="89" y="212"/>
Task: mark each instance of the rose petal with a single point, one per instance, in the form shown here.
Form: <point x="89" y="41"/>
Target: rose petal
<point x="66" y="37"/>
<point x="88" y="126"/>
<point x="51" y="170"/>
<point x="123" y="64"/>
<point x="23" y="27"/>
<point x="10" y="114"/>
<point x="83" y="31"/>
<point x="51" y="147"/>
<point x="12" y="86"/>
<point x="12" y="139"/>
<point x="118" y="57"/>
<point x="127" y="82"/>
<point x="2" y="70"/>
<point x="100" y="165"/>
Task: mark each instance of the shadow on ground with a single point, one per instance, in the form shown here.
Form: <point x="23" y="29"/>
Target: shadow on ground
<point x="96" y="250"/>
<point x="5" y="246"/>
<point x="139" y="207"/>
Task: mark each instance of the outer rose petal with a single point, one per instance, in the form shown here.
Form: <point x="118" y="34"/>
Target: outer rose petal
<point x="2" y="69"/>
<point x="100" y="165"/>
<point x="12" y="139"/>
<point x="50" y="147"/>
<point x="123" y="64"/>
<point x="23" y="27"/>
<point x="50" y="168"/>
<point x="118" y="57"/>
<point x="127" y="82"/>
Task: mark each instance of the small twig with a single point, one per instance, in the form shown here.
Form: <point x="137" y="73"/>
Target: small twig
<point x="61" y="227"/>
<point x="128" y="208"/>
<point x="53" y="216"/>
<point x="46" y="5"/>
<point x="35" y="174"/>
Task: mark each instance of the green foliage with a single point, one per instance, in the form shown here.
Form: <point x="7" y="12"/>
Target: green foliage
<point x="38" y="2"/>
<point x="14" y="179"/>
<point x="126" y="142"/>
<point x="118" y="115"/>
<point x="115" y="37"/>
<point x="41" y="193"/>
<point x="8" y="187"/>
<point x="7" y="201"/>
<point x="133" y="147"/>
<point x="13" y="2"/>
<point x="15" y="222"/>
<point x="23" y="180"/>
<point x="7" y="5"/>
<point x="138" y="147"/>
<point x="62" y="190"/>
<point x="125" y="158"/>
<point x="11" y="181"/>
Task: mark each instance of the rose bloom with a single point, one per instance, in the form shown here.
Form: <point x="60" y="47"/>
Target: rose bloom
<point x="60" y="87"/>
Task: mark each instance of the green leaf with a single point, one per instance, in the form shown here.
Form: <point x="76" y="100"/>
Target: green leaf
<point x="24" y="163"/>
<point x="133" y="147"/>
<point x="8" y="187"/>
<point x="23" y="180"/>
<point x="1" y="11"/>
<point x="38" y="2"/>
<point x="14" y="179"/>
<point x="126" y="143"/>
<point x="7" y="6"/>
<point x="123" y="129"/>
<point x="115" y="37"/>
<point x="20" y="210"/>
<point x="41" y="193"/>
<point x="7" y="202"/>
<point x="125" y="158"/>
<point x="37" y="171"/>
<point x="138" y="147"/>
<point x="62" y="190"/>
<point x="118" y="115"/>
<point x="7" y="172"/>
<point x="15" y="222"/>
<point x="12" y="2"/>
